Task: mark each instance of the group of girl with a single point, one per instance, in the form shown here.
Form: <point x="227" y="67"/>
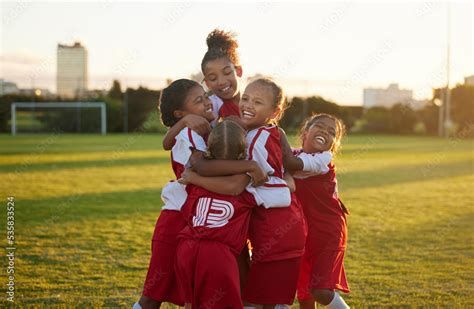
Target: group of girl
<point x="248" y="222"/>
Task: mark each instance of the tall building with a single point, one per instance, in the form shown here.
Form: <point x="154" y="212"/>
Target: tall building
<point x="387" y="97"/>
<point x="71" y="76"/>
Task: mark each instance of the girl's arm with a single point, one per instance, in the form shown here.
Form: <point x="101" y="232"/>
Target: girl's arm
<point x="315" y="162"/>
<point x="194" y="122"/>
<point x="290" y="182"/>
<point x="290" y="162"/>
<point x="229" y="185"/>
<point x="206" y="167"/>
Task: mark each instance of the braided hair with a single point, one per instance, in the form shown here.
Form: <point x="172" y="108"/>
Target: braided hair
<point x="226" y="142"/>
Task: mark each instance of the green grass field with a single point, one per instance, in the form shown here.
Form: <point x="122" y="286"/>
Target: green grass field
<point x="86" y="206"/>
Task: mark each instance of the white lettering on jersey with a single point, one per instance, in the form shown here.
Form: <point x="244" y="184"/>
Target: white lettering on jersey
<point x="212" y="212"/>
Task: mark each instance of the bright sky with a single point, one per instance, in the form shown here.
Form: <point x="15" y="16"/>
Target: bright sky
<point x="332" y="49"/>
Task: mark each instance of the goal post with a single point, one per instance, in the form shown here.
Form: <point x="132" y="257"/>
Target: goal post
<point x="100" y="105"/>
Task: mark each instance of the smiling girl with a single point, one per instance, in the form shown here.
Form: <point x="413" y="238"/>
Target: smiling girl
<point x="322" y="269"/>
<point x="277" y="234"/>
<point x="222" y="72"/>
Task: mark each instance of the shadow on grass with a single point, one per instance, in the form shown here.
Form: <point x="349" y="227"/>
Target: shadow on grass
<point x="113" y="204"/>
<point x="425" y="240"/>
<point x="403" y="174"/>
<point x="431" y="258"/>
<point x="370" y="151"/>
<point x="392" y="268"/>
<point x="60" y="165"/>
<point x="89" y="206"/>
<point x="71" y="143"/>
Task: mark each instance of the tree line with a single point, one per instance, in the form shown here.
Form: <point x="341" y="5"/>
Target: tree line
<point x="135" y="110"/>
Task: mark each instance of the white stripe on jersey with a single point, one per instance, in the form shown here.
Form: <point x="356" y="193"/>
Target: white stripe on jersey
<point x="185" y="139"/>
<point x="173" y="195"/>
<point x="268" y="197"/>
<point x="257" y="146"/>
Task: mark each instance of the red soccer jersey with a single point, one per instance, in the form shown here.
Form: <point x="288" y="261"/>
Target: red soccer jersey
<point x="229" y="108"/>
<point x="324" y="212"/>
<point x="275" y="233"/>
<point x="213" y="216"/>
<point x="181" y="151"/>
<point x="174" y="194"/>
<point x="223" y="108"/>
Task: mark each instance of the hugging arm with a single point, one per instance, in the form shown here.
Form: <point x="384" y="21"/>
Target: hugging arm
<point x="194" y="122"/>
<point x="290" y="162"/>
<point x="290" y="182"/>
<point x="206" y="167"/>
<point x="229" y="185"/>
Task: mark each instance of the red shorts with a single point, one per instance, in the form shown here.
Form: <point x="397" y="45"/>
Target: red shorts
<point x="324" y="270"/>
<point x="161" y="281"/>
<point x="272" y="282"/>
<point x="243" y="261"/>
<point x="168" y="226"/>
<point x="208" y="274"/>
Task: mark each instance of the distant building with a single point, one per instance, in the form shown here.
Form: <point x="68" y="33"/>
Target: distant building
<point x="71" y="76"/>
<point x="469" y="80"/>
<point x="7" y="87"/>
<point x="387" y="97"/>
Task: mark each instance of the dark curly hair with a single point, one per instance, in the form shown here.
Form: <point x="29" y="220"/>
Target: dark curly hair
<point x="172" y="99"/>
<point x="221" y="44"/>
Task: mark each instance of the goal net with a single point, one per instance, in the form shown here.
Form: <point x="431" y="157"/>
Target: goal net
<point x="67" y="117"/>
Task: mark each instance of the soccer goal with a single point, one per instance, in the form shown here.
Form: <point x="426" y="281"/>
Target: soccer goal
<point x="57" y="106"/>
